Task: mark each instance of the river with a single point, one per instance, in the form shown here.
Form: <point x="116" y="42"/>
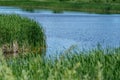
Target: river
<point x="65" y="29"/>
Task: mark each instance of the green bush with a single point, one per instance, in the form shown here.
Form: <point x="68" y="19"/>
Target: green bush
<point x="27" y="33"/>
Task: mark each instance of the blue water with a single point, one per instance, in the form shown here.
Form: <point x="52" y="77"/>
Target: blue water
<point x="74" y="28"/>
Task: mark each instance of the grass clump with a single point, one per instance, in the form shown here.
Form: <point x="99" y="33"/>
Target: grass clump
<point x="23" y="33"/>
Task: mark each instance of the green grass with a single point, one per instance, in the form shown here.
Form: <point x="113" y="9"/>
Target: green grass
<point x="26" y="32"/>
<point x="59" y="6"/>
<point x="97" y="64"/>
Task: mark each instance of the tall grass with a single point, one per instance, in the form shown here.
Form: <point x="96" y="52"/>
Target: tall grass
<point x="26" y="32"/>
<point x="97" y="64"/>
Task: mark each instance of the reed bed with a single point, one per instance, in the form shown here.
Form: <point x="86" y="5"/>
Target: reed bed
<point x="22" y="34"/>
<point x="97" y="64"/>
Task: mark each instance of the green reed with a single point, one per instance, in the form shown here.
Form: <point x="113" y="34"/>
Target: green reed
<point x="97" y="64"/>
<point x="28" y="33"/>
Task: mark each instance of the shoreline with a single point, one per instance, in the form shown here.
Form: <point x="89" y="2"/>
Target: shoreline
<point x="103" y="8"/>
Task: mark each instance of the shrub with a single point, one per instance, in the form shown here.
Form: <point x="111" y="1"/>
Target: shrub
<point x="26" y="33"/>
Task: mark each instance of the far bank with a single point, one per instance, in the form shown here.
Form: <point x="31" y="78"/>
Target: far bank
<point x="59" y="6"/>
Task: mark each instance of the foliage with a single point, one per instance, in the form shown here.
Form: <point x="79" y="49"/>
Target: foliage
<point x="105" y="6"/>
<point x="27" y="33"/>
<point x="97" y="64"/>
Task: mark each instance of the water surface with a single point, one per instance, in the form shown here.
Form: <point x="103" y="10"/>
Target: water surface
<point x="74" y="28"/>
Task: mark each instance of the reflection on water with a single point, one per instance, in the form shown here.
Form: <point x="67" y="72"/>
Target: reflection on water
<point x="74" y="28"/>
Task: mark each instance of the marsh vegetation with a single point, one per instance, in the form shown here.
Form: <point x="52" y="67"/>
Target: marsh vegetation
<point x="97" y="64"/>
<point x="20" y="34"/>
